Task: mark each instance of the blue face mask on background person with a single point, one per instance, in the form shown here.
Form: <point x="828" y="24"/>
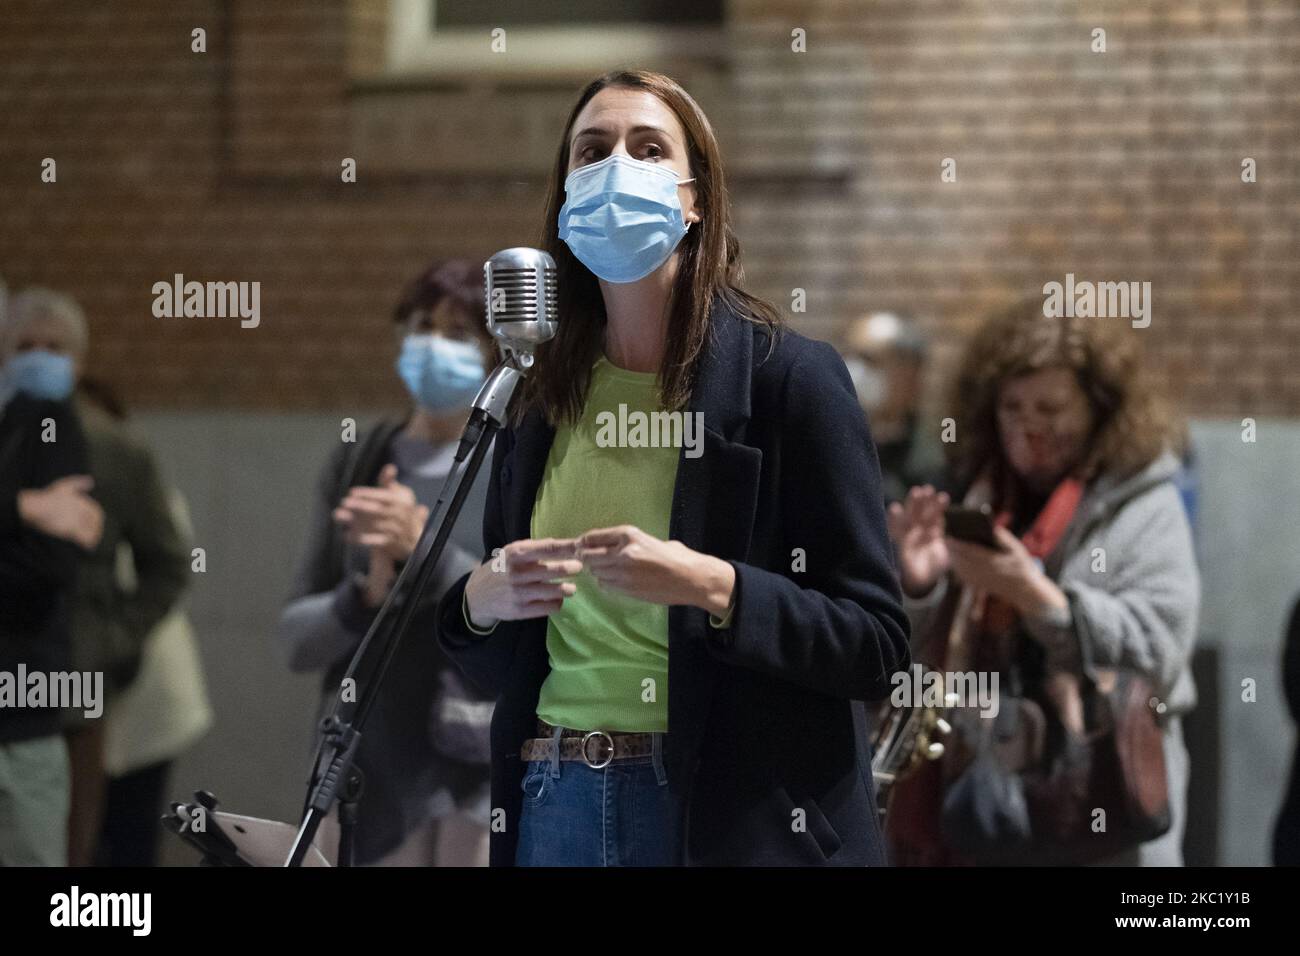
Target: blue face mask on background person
<point x="440" y="373"/>
<point x="621" y="217"/>
<point x="40" y="374"/>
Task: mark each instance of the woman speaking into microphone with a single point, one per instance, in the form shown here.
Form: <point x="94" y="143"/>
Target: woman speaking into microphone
<point x="689" y="589"/>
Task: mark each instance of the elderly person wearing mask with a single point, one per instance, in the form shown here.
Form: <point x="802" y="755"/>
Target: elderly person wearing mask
<point x="47" y="518"/>
<point x="109" y="621"/>
<point x="1059" y="435"/>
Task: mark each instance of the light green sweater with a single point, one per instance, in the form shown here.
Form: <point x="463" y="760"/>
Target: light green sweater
<point x="608" y="652"/>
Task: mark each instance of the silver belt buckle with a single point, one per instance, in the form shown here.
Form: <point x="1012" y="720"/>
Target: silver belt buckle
<point x="587" y="760"/>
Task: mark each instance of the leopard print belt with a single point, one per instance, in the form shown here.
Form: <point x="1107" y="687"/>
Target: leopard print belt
<point x="595" y="748"/>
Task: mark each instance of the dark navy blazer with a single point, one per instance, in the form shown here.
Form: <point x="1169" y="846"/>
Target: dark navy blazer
<point x="766" y="717"/>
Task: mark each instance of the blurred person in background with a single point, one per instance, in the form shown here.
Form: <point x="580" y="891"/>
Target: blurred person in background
<point x="48" y="520"/>
<point x="109" y="622"/>
<point x="127" y="587"/>
<point x="1286" y="831"/>
<point x="424" y="750"/>
<point x="1060" y="435"/>
<point x="156" y="719"/>
<point x="114" y="611"/>
<point x="886" y="354"/>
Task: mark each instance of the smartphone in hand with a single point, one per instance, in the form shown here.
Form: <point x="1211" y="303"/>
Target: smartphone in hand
<point x="970" y="524"/>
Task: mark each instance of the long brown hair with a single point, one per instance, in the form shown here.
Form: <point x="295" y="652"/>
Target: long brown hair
<point x="709" y="269"/>
<point x="1131" y="427"/>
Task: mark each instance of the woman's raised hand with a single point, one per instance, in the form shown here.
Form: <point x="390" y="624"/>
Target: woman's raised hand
<point x="916" y="525"/>
<point x="522" y="581"/>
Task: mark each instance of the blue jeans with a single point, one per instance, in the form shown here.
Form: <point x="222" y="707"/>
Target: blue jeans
<point x="619" y="815"/>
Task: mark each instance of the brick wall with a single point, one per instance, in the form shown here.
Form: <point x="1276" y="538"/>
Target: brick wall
<point x="1123" y="165"/>
<point x="1117" y="165"/>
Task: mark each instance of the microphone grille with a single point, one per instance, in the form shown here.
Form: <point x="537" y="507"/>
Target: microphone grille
<point x="521" y="296"/>
<point x="520" y="286"/>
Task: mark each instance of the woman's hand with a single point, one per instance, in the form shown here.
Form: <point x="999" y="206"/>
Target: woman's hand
<point x="1011" y="574"/>
<point x="386" y="519"/>
<point x="64" y="509"/>
<point x="916" y="525"/>
<point x="521" y="581"/>
<point x="380" y="577"/>
<point x="630" y="561"/>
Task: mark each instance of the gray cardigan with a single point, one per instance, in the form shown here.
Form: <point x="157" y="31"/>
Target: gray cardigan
<point x="409" y="780"/>
<point x="1129" y="570"/>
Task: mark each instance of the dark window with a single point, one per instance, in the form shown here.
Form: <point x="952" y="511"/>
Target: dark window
<point x="575" y="13"/>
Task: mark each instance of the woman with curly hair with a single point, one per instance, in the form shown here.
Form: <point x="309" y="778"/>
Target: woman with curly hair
<point x="1059" y="436"/>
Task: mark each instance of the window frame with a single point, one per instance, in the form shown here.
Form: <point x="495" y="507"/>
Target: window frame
<point x="414" y="47"/>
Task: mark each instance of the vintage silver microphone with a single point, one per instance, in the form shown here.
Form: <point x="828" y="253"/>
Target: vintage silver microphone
<point x="522" y="313"/>
<point x="522" y="303"/>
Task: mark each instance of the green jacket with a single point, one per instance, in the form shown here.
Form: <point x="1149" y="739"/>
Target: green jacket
<point x="111" y="617"/>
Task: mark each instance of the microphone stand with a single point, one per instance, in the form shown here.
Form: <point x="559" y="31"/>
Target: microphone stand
<point x="335" y="777"/>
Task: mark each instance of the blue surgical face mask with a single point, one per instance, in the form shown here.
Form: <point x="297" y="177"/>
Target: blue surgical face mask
<point x="621" y="217"/>
<point x="441" y="374"/>
<point x="40" y="374"/>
